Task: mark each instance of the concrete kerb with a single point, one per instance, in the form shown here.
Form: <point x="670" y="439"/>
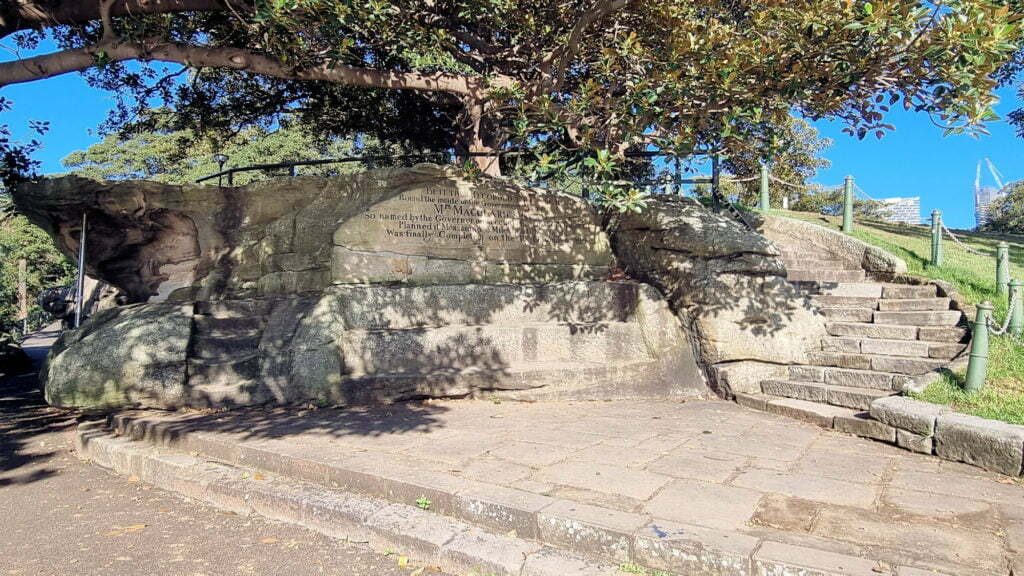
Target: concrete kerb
<point x="479" y="528"/>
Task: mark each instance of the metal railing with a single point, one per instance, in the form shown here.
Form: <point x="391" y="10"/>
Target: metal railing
<point x="666" y="184"/>
<point x="293" y="166"/>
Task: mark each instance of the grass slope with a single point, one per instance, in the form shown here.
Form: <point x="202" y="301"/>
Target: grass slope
<point x="975" y="278"/>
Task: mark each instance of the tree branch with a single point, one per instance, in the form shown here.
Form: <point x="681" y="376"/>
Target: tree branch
<point x="554" y="65"/>
<point x="55" y="64"/>
<point x="109" y="35"/>
<point x="19" y="15"/>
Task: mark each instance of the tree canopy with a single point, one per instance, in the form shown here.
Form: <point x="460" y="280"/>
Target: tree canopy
<point x="176" y="157"/>
<point x="1006" y="214"/>
<point x="568" y="77"/>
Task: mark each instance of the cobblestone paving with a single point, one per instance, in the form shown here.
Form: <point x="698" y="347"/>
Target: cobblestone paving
<point x="802" y="492"/>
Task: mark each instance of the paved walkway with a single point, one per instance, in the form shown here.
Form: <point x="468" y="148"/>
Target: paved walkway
<point x="63" y="516"/>
<point x="793" y="492"/>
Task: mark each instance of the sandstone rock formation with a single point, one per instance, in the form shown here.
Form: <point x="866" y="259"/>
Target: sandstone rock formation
<point x="387" y="285"/>
<point x="727" y="284"/>
<point x="878" y="263"/>
<point x="423" y="225"/>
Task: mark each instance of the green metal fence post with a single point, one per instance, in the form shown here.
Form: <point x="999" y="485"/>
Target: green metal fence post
<point x="765" y="202"/>
<point x="977" y="366"/>
<point x="1017" y="315"/>
<point x="936" y="238"/>
<point x="1002" y="268"/>
<point x="848" y="205"/>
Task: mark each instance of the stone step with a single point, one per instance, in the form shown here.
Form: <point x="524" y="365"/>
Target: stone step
<point x="217" y="384"/>
<point x="809" y="275"/>
<point x="854" y="289"/>
<point x="233" y="308"/>
<point x="908" y="366"/>
<point x="849" y="314"/>
<point x="924" y="318"/>
<point x="224" y="347"/>
<point x="869" y="330"/>
<point x="455" y="347"/>
<point x="805" y="263"/>
<point x="907" y="348"/>
<point x="804" y="252"/>
<point x="884" y="347"/>
<point x="951" y="334"/>
<point x="243" y="326"/>
<point x="877" y="362"/>
<point x="834" y="301"/>
<point x="844" y="377"/>
<point x="526" y="381"/>
<point x="904" y="291"/>
<point x="945" y="350"/>
<point x="913" y="304"/>
<point x="847" y="397"/>
<point x="824" y="415"/>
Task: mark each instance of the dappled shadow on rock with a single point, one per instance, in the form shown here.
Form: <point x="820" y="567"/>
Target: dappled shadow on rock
<point x="727" y="282"/>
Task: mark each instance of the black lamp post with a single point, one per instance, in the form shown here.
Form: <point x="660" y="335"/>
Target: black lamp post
<point x="220" y="159"/>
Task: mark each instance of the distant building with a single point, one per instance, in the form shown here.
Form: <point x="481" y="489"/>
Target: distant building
<point x="983" y="197"/>
<point x="905" y="210"/>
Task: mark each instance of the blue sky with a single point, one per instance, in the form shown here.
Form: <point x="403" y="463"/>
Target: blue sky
<point x="915" y="160"/>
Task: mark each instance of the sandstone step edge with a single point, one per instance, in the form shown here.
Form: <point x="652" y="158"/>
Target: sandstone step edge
<point x="456" y="546"/>
<point x="820" y="393"/>
<point x="490" y="509"/>
<point x="840" y="419"/>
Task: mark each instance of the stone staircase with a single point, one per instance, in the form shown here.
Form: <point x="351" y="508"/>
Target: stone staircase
<point x="223" y="352"/>
<point x="880" y="336"/>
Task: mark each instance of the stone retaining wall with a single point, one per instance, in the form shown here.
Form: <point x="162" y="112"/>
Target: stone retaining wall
<point x="934" y="429"/>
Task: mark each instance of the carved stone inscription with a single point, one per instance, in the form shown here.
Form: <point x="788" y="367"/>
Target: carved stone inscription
<point x="479" y="223"/>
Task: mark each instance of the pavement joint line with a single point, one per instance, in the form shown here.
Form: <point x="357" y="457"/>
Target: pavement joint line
<point x="153" y="431"/>
<point x="226" y="486"/>
<point x="124" y="455"/>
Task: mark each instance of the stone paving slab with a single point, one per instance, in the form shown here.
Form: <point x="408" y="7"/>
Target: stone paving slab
<point x="703" y="487"/>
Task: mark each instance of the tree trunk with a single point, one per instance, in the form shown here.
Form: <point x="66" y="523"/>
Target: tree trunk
<point x="478" y="139"/>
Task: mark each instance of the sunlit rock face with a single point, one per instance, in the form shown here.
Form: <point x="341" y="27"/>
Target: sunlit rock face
<point x="728" y="286"/>
<point x="382" y="286"/>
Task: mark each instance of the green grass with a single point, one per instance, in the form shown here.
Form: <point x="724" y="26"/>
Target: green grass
<point x="975" y="278"/>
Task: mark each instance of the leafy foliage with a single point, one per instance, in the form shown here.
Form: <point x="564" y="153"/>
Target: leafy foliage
<point x="829" y="201"/>
<point x="567" y="80"/>
<point x="16" y="163"/>
<point x="1007" y="213"/>
<point x="176" y="157"/>
<point x="793" y="151"/>
<point x="20" y="239"/>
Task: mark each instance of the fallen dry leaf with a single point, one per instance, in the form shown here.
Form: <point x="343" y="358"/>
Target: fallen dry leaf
<point x="258" y="477"/>
<point x="133" y="479"/>
<point x="403" y="561"/>
<point x="117" y="531"/>
<point x="268" y="540"/>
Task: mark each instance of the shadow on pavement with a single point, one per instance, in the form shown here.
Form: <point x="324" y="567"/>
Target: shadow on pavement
<point x="280" y="422"/>
<point x="25" y="417"/>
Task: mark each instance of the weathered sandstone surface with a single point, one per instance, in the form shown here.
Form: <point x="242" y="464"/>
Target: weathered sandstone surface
<point x="726" y="283"/>
<point x="376" y="287"/>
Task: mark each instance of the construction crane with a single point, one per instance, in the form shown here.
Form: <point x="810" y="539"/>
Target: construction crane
<point x="984" y="196"/>
<point x="996" y="175"/>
